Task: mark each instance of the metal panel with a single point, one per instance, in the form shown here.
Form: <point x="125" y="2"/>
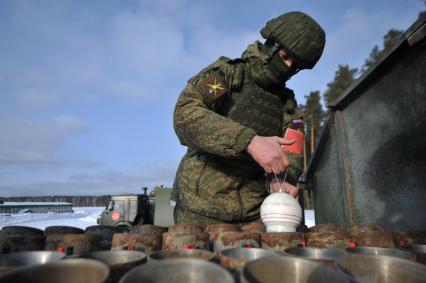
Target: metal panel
<point x="163" y="215"/>
<point x="386" y="128"/>
<point x="133" y="209"/>
<point x="370" y="163"/>
<point x="329" y="201"/>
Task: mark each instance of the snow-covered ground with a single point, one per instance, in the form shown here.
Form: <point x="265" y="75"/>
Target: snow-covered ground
<point x="309" y="218"/>
<point x="82" y="218"/>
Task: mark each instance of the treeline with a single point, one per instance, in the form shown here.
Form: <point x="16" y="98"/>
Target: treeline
<point x="76" y="201"/>
<point x="314" y="112"/>
<point x="345" y="75"/>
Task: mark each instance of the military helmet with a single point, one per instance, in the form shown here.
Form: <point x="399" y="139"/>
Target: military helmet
<point x="300" y="35"/>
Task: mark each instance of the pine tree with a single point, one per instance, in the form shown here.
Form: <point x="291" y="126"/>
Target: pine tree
<point x="313" y="118"/>
<point x="422" y="14"/>
<point x="389" y="41"/>
<point x="343" y="77"/>
<point x="375" y="55"/>
<point x="155" y="189"/>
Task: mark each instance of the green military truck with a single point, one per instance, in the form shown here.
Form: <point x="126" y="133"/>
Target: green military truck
<point x="127" y="210"/>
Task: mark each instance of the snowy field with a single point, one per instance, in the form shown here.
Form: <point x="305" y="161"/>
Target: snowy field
<point x="82" y="218"/>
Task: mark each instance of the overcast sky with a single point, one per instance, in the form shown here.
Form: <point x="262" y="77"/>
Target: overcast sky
<point x="88" y="88"/>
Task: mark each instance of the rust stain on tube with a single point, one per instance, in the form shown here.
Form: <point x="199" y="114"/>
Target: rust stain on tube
<point x="282" y="241"/>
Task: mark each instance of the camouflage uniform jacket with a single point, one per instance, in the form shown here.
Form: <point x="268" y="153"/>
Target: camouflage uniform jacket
<point x="216" y="116"/>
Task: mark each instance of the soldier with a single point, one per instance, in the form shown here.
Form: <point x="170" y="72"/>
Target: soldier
<point x="232" y="116"/>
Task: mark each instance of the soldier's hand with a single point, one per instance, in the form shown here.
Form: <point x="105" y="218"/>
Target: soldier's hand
<point x="268" y="153"/>
<point x="280" y="186"/>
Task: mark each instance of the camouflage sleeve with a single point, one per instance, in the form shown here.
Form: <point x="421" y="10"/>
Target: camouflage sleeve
<point x="292" y="113"/>
<point x="198" y="125"/>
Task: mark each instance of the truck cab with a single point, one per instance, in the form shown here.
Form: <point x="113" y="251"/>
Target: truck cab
<point x="128" y="210"/>
<point x="138" y="209"/>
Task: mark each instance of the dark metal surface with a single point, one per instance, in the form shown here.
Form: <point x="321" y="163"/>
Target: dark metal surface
<point x="289" y="270"/>
<point x="29" y="258"/>
<point x="403" y="238"/>
<point x="64" y="271"/>
<point x="382" y="269"/>
<point x="104" y="229"/>
<point x="17" y="243"/>
<point x="21" y="230"/>
<point x="383" y="251"/>
<point x="103" y="235"/>
<point x="419" y="251"/>
<point x="17" y="260"/>
<point x="118" y="258"/>
<point x="62" y="230"/>
<point x="325" y="256"/>
<point x="327" y="180"/>
<point x="191" y="253"/>
<point x="235" y="259"/>
<point x="370" y="161"/>
<point x="119" y="262"/>
<point x="181" y="270"/>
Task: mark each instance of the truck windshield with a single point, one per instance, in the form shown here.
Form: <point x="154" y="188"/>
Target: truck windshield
<point x="115" y="205"/>
<point x="119" y="205"/>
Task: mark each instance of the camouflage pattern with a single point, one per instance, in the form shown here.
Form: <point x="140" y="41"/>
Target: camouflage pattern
<point x="216" y="116"/>
<point x="300" y="35"/>
<point x="184" y="216"/>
